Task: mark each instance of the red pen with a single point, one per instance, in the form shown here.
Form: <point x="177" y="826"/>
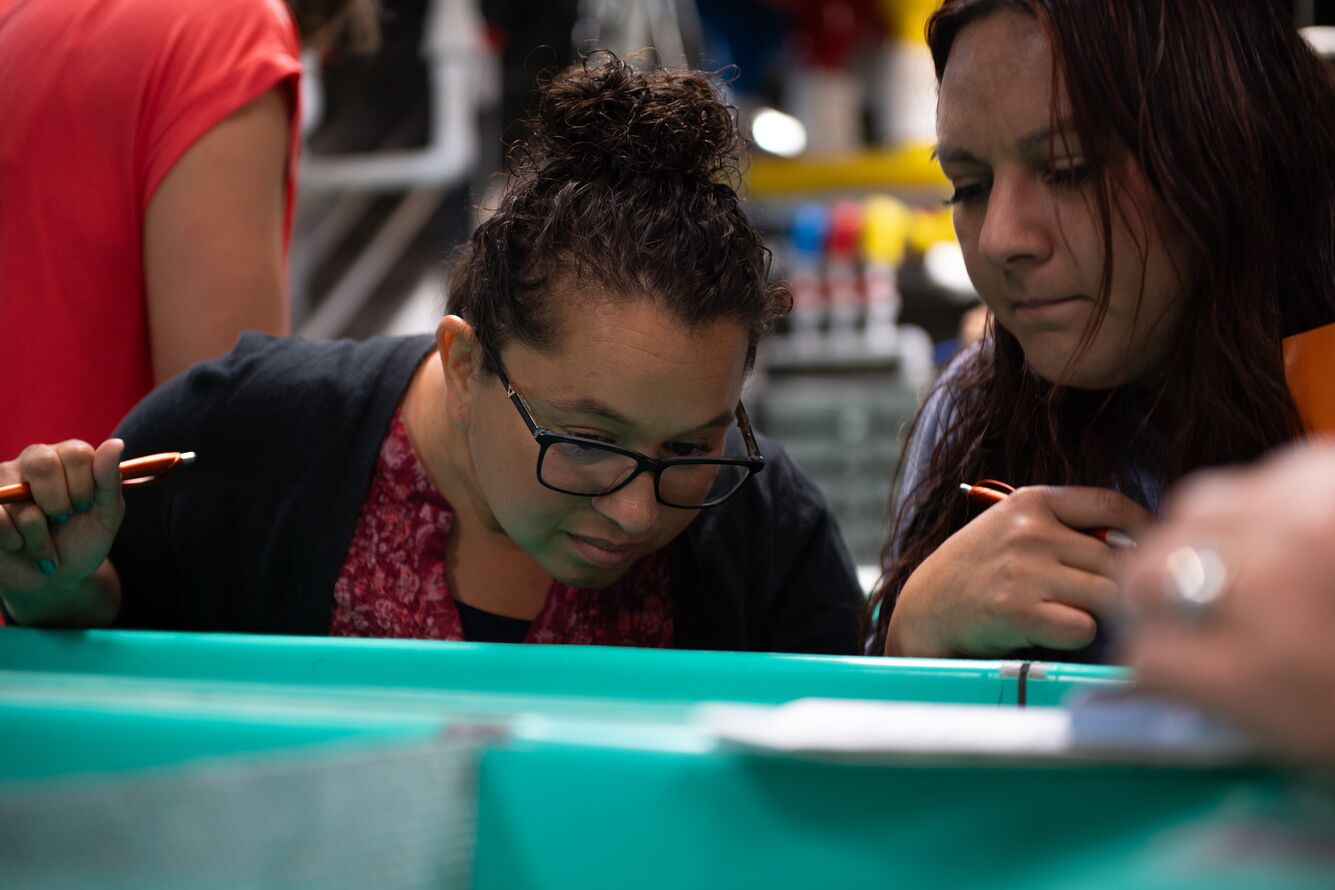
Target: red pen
<point x="990" y="491"/>
<point x="139" y="471"/>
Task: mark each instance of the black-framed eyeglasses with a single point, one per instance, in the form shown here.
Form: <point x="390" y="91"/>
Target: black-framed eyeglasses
<point x="589" y="468"/>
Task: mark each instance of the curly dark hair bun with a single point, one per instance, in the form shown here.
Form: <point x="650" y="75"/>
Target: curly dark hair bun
<point x="606" y="118"/>
<point x="619" y="187"/>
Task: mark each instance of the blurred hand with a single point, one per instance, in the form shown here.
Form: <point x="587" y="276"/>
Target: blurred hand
<point x="1265" y="655"/>
<point x="50" y="546"/>
<point x="1021" y="574"/>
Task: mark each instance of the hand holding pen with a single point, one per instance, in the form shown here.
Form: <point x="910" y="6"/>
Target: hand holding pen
<point x="60" y="509"/>
<point x="990" y="491"/>
<point x="136" y="472"/>
<point x="1026" y="572"/>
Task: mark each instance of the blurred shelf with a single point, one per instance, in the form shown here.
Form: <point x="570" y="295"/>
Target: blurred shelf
<point x="907" y="168"/>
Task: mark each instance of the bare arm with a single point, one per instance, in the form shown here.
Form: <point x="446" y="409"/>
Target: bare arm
<point x="213" y="239"/>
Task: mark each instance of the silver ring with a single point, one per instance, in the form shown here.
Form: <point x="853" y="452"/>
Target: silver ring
<point x="1195" y="579"/>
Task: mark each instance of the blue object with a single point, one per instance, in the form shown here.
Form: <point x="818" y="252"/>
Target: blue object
<point x="811" y="223"/>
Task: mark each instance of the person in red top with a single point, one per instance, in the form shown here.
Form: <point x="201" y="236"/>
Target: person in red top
<point x="147" y="172"/>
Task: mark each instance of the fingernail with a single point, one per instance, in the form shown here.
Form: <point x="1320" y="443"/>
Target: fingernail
<point x="46" y="566"/>
<point x="84" y="507"/>
<point x="62" y="518"/>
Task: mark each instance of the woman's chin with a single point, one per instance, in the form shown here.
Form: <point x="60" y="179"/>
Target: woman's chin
<point x="1081" y="376"/>
<point x="575" y="573"/>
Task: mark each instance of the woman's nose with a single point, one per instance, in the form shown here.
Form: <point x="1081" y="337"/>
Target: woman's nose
<point x="1016" y="224"/>
<point x="633" y="508"/>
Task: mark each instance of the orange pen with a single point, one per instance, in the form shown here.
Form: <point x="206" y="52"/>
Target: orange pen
<point x="990" y="491"/>
<point x="139" y="471"/>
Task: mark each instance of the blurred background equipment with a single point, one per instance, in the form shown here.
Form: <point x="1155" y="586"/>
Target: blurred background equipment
<point x="396" y="142"/>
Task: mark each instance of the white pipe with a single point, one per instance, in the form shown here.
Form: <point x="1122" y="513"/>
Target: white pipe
<point x="373" y="264"/>
<point x="665" y="31"/>
<point x="1322" y="38"/>
<point x="456" y="53"/>
<point x="312" y="92"/>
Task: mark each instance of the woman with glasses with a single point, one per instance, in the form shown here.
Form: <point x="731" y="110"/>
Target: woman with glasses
<point x="567" y="460"/>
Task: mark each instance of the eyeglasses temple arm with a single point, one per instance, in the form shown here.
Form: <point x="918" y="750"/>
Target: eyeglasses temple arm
<point x="511" y="393"/>
<point x="744" y="424"/>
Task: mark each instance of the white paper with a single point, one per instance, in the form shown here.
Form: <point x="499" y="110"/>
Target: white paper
<point x="860" y="729"/>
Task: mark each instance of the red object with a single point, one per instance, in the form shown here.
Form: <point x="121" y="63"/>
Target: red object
<point x="392" y="583"/>
<point x="829" y="30"/>
<point x="988" y="491"/>
<point x="845" y="228"/>
<point x="97" y="101"/>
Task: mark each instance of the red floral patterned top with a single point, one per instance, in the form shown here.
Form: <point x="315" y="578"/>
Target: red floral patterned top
<point x="392" y="583"/>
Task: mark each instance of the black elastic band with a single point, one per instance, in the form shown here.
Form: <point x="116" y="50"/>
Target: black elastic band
<point x="1022" y="691"/>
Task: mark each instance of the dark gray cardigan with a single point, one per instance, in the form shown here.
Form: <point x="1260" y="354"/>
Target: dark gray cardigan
<point x="252" y="537"/>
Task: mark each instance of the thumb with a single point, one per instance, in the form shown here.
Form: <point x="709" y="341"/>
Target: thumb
<point x="106" y="475"/>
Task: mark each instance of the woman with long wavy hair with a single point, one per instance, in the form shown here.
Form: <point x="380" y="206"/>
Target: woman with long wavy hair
<point x="1145" y="197"/>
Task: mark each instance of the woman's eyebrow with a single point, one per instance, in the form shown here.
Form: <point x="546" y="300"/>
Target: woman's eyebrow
<point x="1031" y="143"/>
<point x="589" y="407"/>
<point x="1038" y="141"/>
<point x="721" y="420"/>
<point x="592" y="407"/>
<point x="950" y="154"/>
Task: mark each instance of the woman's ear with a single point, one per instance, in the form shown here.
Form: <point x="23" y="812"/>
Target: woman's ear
<point x="457" y="348"/>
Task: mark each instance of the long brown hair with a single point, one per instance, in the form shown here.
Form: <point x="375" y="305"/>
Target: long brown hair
<point x="1231" y="119"/>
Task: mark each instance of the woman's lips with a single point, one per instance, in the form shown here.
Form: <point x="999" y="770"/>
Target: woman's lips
<point x="1040" y="308"/>
<point x="604" y="553"/>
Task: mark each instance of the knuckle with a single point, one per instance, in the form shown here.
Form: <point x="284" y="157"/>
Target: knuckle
<point x="1108" y="501"/>
<point x="1007" y="600"/>
<point x="1022" y="529"/>
<point x="75" y="451"/>
<point x="1022" y="522"/>
<point x="1028" y="497"/>
<point x="30" y="521"/>
<point x="1028" y="504"/>
<point x="39" y="462"/>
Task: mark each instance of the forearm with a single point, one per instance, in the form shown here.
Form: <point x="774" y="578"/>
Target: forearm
<point x="210" y="276"/>
<point x="93" y="602"/>
<point x="192" y="333"/>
